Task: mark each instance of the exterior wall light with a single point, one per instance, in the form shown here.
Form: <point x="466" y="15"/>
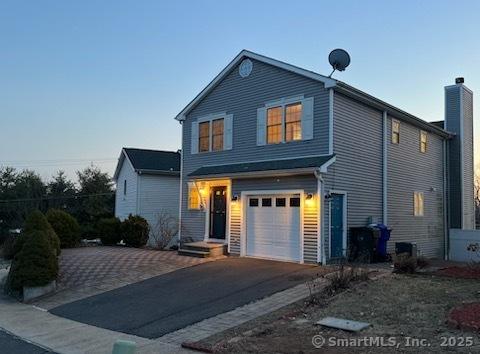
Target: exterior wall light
<point x="309" y="200"/>
<point x="235" y="198"/>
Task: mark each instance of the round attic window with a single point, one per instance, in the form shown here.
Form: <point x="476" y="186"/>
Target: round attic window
<point x="245" y="68"/>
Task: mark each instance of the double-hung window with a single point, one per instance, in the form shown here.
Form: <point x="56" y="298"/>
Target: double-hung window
<point x="284" y="123"/>
<point x="204" y="136"/>
<point x="217" y="134"/>
<point x="423" y="141"/>
<point x="212" y="133"/>
<point x="274" y="125"/>
<point x="395" y="132"/>
<point x="418" y="202"/>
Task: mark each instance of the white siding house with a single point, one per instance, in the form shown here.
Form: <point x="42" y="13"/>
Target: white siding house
<point x="148" y="182"/>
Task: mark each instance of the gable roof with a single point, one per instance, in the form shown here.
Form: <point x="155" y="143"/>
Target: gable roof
<point x="145" y="161"/>
<point x="327" y="81"/>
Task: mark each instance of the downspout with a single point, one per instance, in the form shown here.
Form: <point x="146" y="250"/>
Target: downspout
<point x="446" y="204"/>
<point x="181" y="192"/>
<point x="385" y="170"/>
<point x="320" y="192"/>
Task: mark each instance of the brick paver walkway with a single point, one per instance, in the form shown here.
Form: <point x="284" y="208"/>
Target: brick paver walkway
<point x="89" y="271"/>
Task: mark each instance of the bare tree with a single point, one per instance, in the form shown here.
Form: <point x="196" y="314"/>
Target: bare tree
<point x="165" y="229"/>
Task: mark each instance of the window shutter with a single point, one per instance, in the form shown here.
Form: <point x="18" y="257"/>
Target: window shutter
<point x="307" y="118"/>
<point x="194" y="133"/>
<point x="228" y="132"/>
<point x="261" y="126"/>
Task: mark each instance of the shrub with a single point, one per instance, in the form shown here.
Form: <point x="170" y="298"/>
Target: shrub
<point x="36" y="221"/>
<point x="65" y="226"/>
<point x="135" y="231"/>
<point x="8" y="247"/>
<point x="165" y="229"/>
<point x="35" y="264"/>
<point x="404" y="263"/>
<point x="109" y="230"/>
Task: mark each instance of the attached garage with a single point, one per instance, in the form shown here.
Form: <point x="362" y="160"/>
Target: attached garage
<point x="273" y="227"/>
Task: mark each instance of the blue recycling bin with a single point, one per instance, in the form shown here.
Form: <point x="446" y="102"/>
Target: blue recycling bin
<point x="382" y="240"/>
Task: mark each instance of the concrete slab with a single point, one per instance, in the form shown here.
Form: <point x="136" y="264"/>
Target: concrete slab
<point x="340" y="323"/>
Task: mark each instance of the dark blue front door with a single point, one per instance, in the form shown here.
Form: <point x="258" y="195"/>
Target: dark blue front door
<point x="218" y="212"/>
<point x="336" y="226"/>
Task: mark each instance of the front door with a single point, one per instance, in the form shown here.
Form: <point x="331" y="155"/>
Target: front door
<point x="218" y="212"/>
<point x="336" y="225"/>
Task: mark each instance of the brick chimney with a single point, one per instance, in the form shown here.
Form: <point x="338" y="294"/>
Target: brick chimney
<point x="459" y="120"/>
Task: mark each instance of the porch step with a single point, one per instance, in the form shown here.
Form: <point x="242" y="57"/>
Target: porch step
<point x="192" y="253"/>
<point x="203" y="249"/>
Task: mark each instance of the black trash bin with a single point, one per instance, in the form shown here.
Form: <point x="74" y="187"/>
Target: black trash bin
<point x="361" y="245"/>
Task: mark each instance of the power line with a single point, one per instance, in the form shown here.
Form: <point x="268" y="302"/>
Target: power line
<point x="58" y="160"/>
<point x="54" y="198"/>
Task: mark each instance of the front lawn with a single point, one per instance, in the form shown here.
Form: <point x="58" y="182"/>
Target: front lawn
<point x="397" y="306"/>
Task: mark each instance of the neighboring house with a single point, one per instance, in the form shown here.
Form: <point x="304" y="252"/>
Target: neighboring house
<point x="148" y="182"/>
<point x="279" y="162"/>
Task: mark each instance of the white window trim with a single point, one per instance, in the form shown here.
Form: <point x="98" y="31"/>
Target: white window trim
<point x="282" y="102"/>
<point x="210" y="118"/>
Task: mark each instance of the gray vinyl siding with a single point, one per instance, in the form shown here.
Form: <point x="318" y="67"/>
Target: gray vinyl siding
<point x="452" y="123"/>
<point x="411" y="171"/>
<point x="126" y="204"/>
<point x="459" y="119"/>
<point x="307" y="183"/>
<point x="357" y="144"/>
<point x="241" y="97"/>
<point x="156" y="194"/>
<point x="468" y="177"/>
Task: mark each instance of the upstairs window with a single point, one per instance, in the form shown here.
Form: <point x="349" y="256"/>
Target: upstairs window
<point x="395" y="132"/>
<point x="217" y="135"/>
<point x="284" y="123"/>
<point x="423" y="141"/>
<point x="418" y="202"/>
<point x="274" y="125"/>
<point x="204" y="137"/>
<point x="293" y="122"/>
<point x="125" y="187"/>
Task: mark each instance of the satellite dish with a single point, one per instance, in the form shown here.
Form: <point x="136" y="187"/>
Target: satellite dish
<point x="339" y="60"/>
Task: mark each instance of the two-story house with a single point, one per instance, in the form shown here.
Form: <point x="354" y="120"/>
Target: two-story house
<point x="279" y="162"/>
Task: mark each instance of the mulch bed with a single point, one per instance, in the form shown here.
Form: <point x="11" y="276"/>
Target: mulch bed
<point x="461" y="272"/>
<point x="466" y="317"/>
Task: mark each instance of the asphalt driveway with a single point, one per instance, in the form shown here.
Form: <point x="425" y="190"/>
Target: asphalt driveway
<point x="172" y="301"/>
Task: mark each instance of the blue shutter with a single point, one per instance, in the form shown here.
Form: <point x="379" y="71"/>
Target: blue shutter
<point x="228" y="132"/>
<point x="261" y="126"/>
<point x="194" y="133"/>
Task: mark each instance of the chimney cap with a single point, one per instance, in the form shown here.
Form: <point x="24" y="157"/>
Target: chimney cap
<point x="459" y="80"/>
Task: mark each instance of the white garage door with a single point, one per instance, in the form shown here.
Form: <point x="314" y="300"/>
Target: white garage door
<point x="273" y="227"/>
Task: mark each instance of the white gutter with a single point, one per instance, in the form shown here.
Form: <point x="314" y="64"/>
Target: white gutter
<point x="321" y="257"/>
<point x="446" y="207"/>
<point x="385" y="169"/>
<point x="180" y="193"/>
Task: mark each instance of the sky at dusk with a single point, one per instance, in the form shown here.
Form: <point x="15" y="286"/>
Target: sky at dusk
<point x="81" y="79"/>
